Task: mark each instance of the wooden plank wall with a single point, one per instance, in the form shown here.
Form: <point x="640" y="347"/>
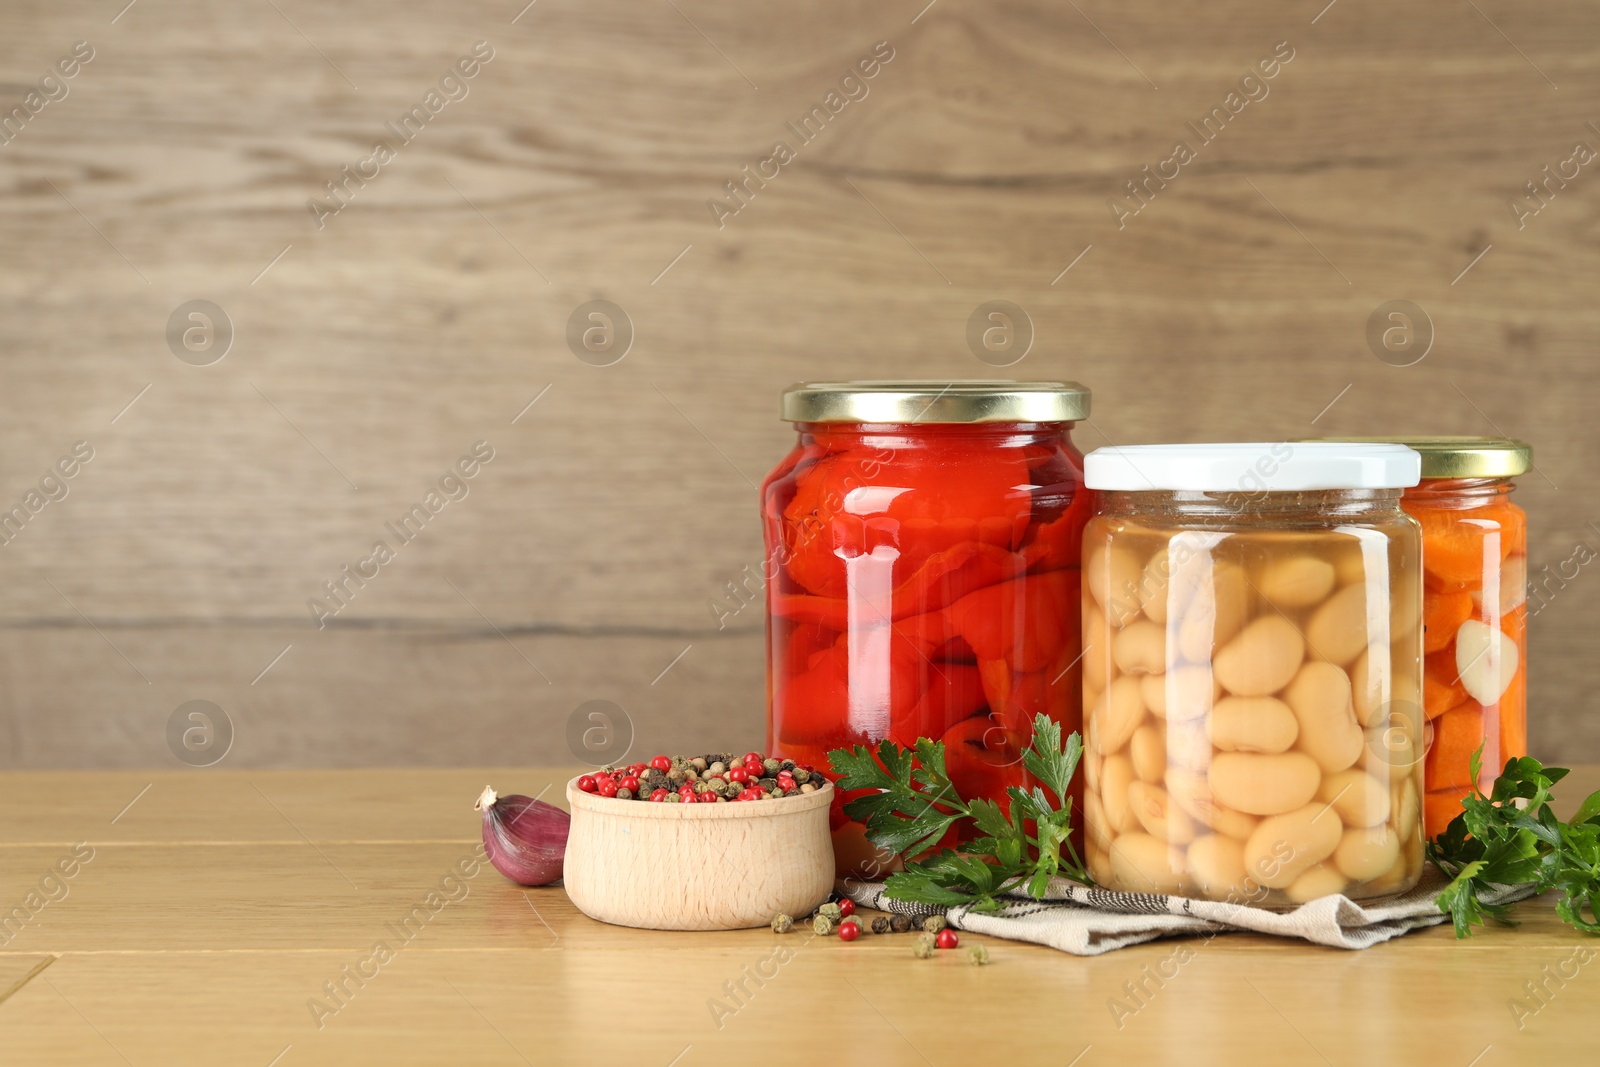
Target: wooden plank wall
<point x="978" y="163"/>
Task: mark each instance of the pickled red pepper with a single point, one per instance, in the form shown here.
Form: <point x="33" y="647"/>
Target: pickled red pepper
<point x="924" y="583"/>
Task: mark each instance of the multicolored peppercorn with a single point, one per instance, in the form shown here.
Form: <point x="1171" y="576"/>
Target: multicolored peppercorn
<point x="724" y="776"/>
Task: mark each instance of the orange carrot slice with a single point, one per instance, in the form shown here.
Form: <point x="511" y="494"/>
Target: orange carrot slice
<point x="1442" y="615"/>
<point x="1439" y="807"/>
<point x="1456" y="736"/>
<point x="1441" y="684"/>
<point x="1453" y="545"/>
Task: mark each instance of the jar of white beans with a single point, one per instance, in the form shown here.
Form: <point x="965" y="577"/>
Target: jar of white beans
<point x="1252" y="672"/>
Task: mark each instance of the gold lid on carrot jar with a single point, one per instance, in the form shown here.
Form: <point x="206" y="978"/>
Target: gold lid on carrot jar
<point x="1449" y="456"/>
<point x="927" y="402"/>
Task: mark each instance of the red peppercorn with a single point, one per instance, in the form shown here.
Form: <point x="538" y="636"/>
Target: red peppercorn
<point x="947" y="938"/>
<point x="607" y="787"/>
<point x="738" y="774"/>
<point x="849" y="930"/>
<point x="637" y="768"/>
<point x="659" y="795"/>
<point x="630" y="782"/>
<point x="754" y="757"/>
<point x="708" y="797"/>
<point x="587" y="783"/>
<point x="687" y="793"/>
<point x="662" y="764"/>
<point x="847" y="907"/>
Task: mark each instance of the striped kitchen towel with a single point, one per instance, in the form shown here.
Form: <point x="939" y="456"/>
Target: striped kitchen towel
<point x="1088" y="921"/>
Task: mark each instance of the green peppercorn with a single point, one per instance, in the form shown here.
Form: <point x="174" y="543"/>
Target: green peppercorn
<point x="781" y="923"/>
<point x="673" y="798"/>
<point x="924" y="946"/>
<point x="802" y="776"/>
<point x="624" y="793"/>
<point x="772" y="765"/>
<point x="831" y="910"/>
<point x="765" y="784"/>
<point x="716" y="785"/>
<point x="934" y="923"/>
<point x="899" y="923"/>
<point x="824" y="925"/>
<point x="718" y="769"/>
<point x="880" y="925"/>
<point x="978" y="955"/>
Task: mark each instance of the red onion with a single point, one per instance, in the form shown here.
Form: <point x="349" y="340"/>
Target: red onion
<point x="526" y="839"/>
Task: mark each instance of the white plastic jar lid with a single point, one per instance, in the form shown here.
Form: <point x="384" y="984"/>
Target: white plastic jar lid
<point x="1242" y="467"/>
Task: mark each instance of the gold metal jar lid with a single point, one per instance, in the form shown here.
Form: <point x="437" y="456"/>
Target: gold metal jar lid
<point x="989" y="400"/>
<point x="1464" y="457"/>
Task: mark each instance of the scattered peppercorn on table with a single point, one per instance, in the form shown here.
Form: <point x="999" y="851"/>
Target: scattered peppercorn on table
<point x="337" y="917"/>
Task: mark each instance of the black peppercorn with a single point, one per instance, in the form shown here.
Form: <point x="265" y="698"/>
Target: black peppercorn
<point x="880" y="925"/>
<point x="899" y="923"/>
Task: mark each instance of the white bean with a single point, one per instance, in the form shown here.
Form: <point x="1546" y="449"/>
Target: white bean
<point x="1262" y="659"/>
<point x="1182" y="694"/>
<point x="1356" y="797"/>
<point x="1115" y="778"/>
<point x="1094" y="818"/>
<point x="1192" y="792"/>
<point x="1285" y="846"/>
<point x="1266" y="784"/>
<point x="1140" y="648"/>
<point x="1337" y="631"/>
<point x="1149" y="754"/>
<point x="1252" y="724"/>
<point x="1112" y="573"/>
<point x="1096" y="649"/>
<point x="1158" y="815"/>
<point x="1154" y="587"/>
<point x="1141" y="863"/>
<point x="1116" y="715"/>
<point x="1214" y="614"/>
<point x="1323" y="880"/>
<point x="1367" y="851"/>
<point x="1369" y="684"/>
<point x="1394" y="880"/>
<point x="1217" y="864"/>
<point x="1320" y="697"/>
<point x="1296" y="581"/>
<point x="1406" y="804"/>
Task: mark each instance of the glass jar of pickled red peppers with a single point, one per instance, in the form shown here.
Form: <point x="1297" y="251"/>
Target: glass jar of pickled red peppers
<point x="922" y="560"/>
<point x="1252" y="671"/>
<point x="1474" y="612"/>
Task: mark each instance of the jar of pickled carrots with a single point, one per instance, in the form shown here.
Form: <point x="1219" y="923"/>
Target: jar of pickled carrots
<point x="922" y="573"/>
<point x="1252" y="671"/>
<point x="1474" y="612"/>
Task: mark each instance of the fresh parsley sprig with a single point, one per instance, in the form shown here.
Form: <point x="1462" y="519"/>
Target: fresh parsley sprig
<point x="916" y="804"/>
<point x="1512" y="837"/>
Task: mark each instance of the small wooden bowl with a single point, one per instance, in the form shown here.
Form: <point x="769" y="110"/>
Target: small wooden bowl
<point x="697" y="866"/>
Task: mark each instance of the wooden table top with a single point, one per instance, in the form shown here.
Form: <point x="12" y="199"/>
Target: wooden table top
<point x="206" y="912"/>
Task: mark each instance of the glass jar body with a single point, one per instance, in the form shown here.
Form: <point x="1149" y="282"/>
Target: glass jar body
<point x="923" y="581"/>
<point x="1253" y="684"/>
<point x="1475" y="624"/>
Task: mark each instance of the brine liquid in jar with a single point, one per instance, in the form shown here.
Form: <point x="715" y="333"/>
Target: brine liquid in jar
<point x="1252" y="675"/>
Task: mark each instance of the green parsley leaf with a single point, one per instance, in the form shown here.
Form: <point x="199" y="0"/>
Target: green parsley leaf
<point x="913" y="804"/>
